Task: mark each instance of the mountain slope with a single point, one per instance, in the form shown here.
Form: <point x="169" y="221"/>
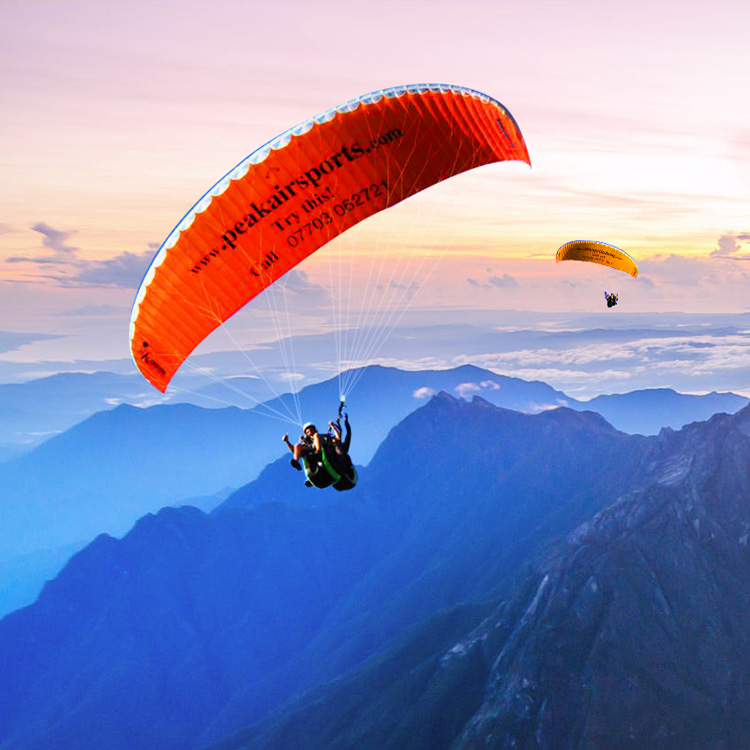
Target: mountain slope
<point x="637" y="634"/>
<point x="631" y="634"/>
<point x="142" y="459"/>
<point x="33" y="411"/>
<point x="53" y="496"/>
<point x="405" y="698"/>
<point x="102" y="474"/>
<point x="194" y="626"/>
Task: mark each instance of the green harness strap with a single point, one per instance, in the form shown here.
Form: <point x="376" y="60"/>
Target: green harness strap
<point x="336" y="476"/>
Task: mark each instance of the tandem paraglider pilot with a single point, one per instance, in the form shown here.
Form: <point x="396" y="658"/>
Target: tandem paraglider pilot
<point x="309" y="442"/>
<point x="325" y="458"/>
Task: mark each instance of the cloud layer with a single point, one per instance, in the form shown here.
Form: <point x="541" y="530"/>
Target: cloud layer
<point x="64" y="265"/>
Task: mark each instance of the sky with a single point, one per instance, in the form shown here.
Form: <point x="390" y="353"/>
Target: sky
<point x="118" y="116"/>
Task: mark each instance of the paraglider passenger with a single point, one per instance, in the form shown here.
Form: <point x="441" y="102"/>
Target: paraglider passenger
<point x="335" y="431"/>
<point x="611" y="299"/>
<point x="348" y="439"/>
<point x="308" y="443"/>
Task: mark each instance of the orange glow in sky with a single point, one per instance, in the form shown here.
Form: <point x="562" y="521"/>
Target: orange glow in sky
<point x="118" y="116"/>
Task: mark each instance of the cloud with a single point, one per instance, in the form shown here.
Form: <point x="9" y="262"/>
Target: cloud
<point x="11" y="341"/>
<point x="424" y="392"/>
<point x="124" y="271"/>
<point x="730" y="246"/>
<point x="412" y="286"/>
<point x="293" y="295"/>
<point x="464" y="390"/>
<point x="506" y="281"/>
<point x="55" y="240"/>
<point x="682" y="271"/>
<point x="693" y="362"/>
<point x="298" y="283"/>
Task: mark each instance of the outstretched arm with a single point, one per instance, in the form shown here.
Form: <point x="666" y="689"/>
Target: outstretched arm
<point x="286" y="440"/>
<point x="336" y="431"/>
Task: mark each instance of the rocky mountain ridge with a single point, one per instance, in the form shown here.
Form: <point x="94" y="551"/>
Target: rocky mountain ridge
<point x="632" y="633"/>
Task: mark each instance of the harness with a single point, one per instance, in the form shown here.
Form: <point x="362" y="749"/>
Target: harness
<point x="326" y="468"/>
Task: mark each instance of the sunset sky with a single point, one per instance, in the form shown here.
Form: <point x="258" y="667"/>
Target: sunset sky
<point x="118" y="116"/>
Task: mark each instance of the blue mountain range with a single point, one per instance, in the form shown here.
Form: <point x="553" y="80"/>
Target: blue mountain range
<point x="105" y="472"/>
<point x="205" y="623"/>
<point x="496" y="579"/>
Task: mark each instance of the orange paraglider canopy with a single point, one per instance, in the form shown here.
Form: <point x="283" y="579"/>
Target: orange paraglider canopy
<point x="295" y="194"/>
<point x="593" y="251"/>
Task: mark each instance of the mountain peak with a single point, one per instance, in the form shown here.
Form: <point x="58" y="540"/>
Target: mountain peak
<point x="634" y="634"/>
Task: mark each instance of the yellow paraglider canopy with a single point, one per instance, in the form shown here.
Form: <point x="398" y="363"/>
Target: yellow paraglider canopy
<point x="593" y="251"/>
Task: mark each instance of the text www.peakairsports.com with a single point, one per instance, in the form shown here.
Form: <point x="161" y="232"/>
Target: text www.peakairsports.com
<point x="293" y="223"/>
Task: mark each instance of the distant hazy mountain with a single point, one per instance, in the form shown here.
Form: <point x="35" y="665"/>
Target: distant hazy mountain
<point x="105" y="472"/>
<point x="35" y="410"/>
<point x="32" y="412"/>
<point x="646" y="412"/>
<point x="384" y="396"/>
<point x="243" y="391"/>
<point x="83" y="482"/>
<point x="631" y="634"/>
<point x="194" y="626"/>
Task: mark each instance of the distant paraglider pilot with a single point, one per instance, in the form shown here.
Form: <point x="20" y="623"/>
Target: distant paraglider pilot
<point x="611" y="299"/>
<point x="309" y="442"/>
